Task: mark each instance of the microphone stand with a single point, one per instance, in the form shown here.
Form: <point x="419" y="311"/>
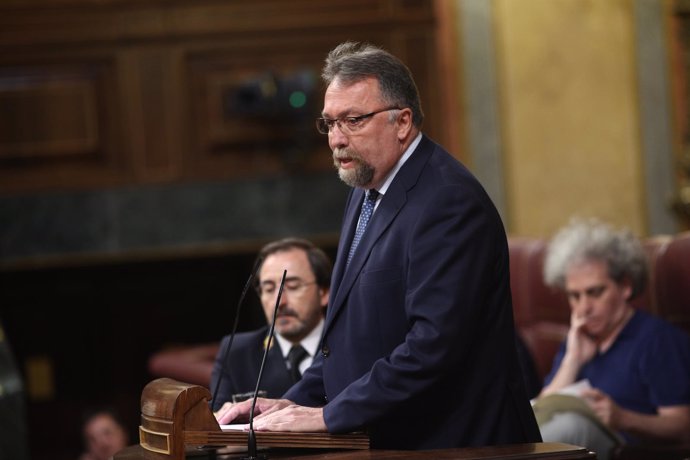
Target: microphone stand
<point x="251" y="440"/>
<point x="226" y="350"/>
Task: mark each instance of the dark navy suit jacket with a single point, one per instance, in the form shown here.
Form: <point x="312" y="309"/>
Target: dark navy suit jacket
<point x="418" y="346"/>
<point x="241" y="367"/>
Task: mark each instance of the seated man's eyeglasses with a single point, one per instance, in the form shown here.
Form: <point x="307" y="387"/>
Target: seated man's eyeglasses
<point x="292" y="285"/>
<point x="347" y="125"/>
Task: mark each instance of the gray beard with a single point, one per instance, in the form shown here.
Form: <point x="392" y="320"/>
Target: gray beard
<point x="361" y="176"/>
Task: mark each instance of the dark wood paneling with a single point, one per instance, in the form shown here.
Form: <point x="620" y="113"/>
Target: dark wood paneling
<point x="60" y="109"/>
<point x="233" y="91"/>
<point x="58" y="123"/>
<point x="135" y="92"/>
<point x="47" y="21"/>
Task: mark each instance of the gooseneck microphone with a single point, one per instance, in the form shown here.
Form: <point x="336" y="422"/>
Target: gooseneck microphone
<point x="251" y="440"/>
<point x="226" y="350"/>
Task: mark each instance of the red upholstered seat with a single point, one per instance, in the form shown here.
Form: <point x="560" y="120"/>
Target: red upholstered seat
<point x="654" y="247"/>
<point x="672" y="281"/>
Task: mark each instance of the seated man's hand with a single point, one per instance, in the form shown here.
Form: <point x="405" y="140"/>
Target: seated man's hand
<point x="292" y="418"/>
<point x="239" y="412"/>
<point x="602" y="405"/>
<point x="581" y="347"/>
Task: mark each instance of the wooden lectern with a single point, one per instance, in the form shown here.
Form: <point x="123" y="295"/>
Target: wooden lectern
<point x="176" y="418"/>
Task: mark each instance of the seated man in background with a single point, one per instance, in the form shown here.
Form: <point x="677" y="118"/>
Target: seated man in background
<point x="104" y="435"/>
<point x="298" y="326"/>
<point x="637" y="366"/>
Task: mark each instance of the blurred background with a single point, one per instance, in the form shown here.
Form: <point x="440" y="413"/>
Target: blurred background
<point x="148" y="148"/>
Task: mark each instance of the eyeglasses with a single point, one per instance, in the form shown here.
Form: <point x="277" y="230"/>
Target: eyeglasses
<point x="292" y="286"/>
<point x="347" y="125"/>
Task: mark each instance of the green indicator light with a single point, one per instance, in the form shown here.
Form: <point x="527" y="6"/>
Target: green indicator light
<point x="298" y="99"/>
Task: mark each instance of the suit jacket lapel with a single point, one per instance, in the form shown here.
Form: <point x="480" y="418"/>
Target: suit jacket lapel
<point x="391" y="204"/>
<point x="350" y="219"/>
<point x="275" y="372"/>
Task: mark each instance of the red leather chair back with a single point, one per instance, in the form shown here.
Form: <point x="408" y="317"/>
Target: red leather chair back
<point x="672" y="281"/>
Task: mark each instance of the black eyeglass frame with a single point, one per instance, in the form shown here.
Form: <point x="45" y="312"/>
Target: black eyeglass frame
<point x="325" y="125"/>
<point x="291" y="285"/>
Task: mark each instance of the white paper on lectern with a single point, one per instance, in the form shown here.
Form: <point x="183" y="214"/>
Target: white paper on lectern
<point x="235" y="427"/>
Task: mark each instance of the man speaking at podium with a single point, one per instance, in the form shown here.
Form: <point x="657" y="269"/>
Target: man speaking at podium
<point x="418" y="347"/>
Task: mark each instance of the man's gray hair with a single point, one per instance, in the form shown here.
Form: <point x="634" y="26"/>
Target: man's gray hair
<point x="590" y="240"/>
<point x="351" y="62"/>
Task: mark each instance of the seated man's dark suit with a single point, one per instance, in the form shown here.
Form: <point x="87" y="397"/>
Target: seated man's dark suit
<point x="241" y="368"/>
<point x="418" y="345"/>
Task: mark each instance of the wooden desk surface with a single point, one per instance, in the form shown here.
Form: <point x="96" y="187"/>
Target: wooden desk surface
<point x="541" y="451"/>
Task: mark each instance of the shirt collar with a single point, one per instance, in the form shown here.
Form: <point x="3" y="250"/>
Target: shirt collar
<point x="408" y="153"/>
<point x="310" y="342"/>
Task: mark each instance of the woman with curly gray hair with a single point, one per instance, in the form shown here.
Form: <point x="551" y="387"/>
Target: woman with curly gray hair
<point x="592" y="240"/>
<point x="637" y="365"/>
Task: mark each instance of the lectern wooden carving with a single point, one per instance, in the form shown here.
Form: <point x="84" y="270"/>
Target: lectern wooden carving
<point x="168" y="410"/>
<point x="176" y="417"/>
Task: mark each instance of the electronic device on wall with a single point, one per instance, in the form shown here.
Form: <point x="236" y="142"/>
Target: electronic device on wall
<point x="272" y="96"/>
<point x="285" y="102"/>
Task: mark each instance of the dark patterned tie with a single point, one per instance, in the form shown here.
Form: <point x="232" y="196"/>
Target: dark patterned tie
<point x="364" y="216"/>
<point x="295" y="356"/>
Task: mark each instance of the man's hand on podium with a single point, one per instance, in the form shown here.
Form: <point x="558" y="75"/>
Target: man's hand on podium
<point x="273" y="415"/>
<point x="239" y="412"/>
<point x="292" y="418"/>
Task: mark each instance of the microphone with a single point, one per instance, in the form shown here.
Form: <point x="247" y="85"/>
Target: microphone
<point x="251" y="440"/>
<point x="226" y="350"/>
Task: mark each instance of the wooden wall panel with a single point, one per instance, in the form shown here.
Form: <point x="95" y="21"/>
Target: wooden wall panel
<point x="228" y="83"/>
<point x="56" y="124"/>
<point x="151" y="81"/>
<point x="48" y="115"/>
<point x="137" y="92"/>
<point x="59" y="21"/>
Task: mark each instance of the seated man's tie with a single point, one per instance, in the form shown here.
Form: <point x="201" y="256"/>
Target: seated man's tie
<point x="295" y="356"/>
